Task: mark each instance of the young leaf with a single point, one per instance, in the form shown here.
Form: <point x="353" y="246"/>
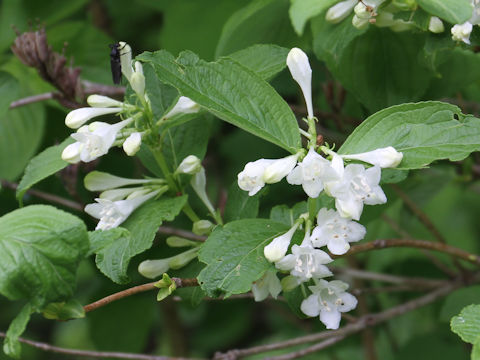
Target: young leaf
<point x="453" y="11"/>
<point x="48" y="162"/>
<point x="66" y="310"/>
<point x="231" y="92"/>
<point x="40" y="248"/>
<point x="116" y="247"/>
<point x="423" y="132"/>
<point x="11" y="346"/>
<point x="467" y="324"/>
<point x="234" y="255"/>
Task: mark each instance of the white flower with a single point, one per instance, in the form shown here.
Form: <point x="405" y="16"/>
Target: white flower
<point x="435" y="25"/>
<point x="297" y="62"/>
<point x="113" y="213"/>
<point x="99" y="181"/>
<point x="132" y="144"/>
<point x="279" y="168"/>
<point x="340" y="11"/>
<point x="357" y="187"/>
<point x="78" y="117"/>
<point x="251" y="178"/>
<point x="97" y="138"/>
<point x="137" y="79"/>
<point x="328" y="300"/>
<point x="190" y="165"/>
<point x="311" y="173"/>
<point x="100" y="101"/>
<point x="386" y="157"/>
<point x="462" y="32"/>
<point x="336" y="232"/>
<point x="268" y="284"/>
<point x="184" y="105"/>
<point x="277" y="249"/>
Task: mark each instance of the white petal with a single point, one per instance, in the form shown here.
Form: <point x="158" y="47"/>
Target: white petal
<point x="338" y="246"/>
<point x="313" y="188"/>
<point x="310" y="306"/>
<point x="295" y="177"/>
<point x="287" y="263"/>
<point x="349" y="302"/>
<point x="340" y="11"/>
<point x="94" y="210"/>
<point x="78" y="117"/>
<point x="184" y="105"/>
<point x="356" y="231"/>
<point x="351" y="208"/>
<point x="278" y="169"/>
<point x="331" y="319"/>
<point x="318" y="239"/>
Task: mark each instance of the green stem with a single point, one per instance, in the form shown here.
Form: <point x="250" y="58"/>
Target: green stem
<point x="164" y="167"/>
<point x="312" y="210"/>
<point x="312" y="130"/>
<point x="187" y="209"/>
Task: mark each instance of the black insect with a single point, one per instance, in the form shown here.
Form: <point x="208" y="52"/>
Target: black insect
<point x="115" y="64"/>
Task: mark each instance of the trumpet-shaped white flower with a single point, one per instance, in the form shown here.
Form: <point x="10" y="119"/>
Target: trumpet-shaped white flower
<point x="297" y="62"/>
<point x="329" y="300"/>
<point x="184" y="105"/>
<point x="277" y="249"/>
<point x="268" y="284"/>
<point x="435" y="25"/>
<point x="190" y="165"/>
<point x="340" y="11"/>
<point x="78" y="117"/>
<point x="336" y="232"/>
<point x="461" y="32"/>
<point x="279" y="168"/>
<point x="97" y="138"/>
<point x="386" y="157"/>
<point x="132" y="143"/>
<point x="312" y="173"/>
<point x="100" y="101"/>
<point x="251" y="178"/>
<point x="357" y="187"/>
<point x="113" y="213"/>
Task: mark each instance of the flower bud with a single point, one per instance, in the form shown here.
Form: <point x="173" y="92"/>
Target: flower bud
<point x="126" y="59"/>
<point x="78" y="117"/>
<point x="202" y="227"/>
<point x="340" y="11"/>
<point x="184" y="105"/>
<point x="176" y="241"/>
<point x="277" y="249"/>
<point x="359" y="23"/>
<point x="384" y="157"/>
<point x="190" y="165"/>
<point x="280" y="168"/>
<point x="297" y="62"/>
<point x="72" y="152"/>
<point x="137" y="80"/>
<point x="132" y="144"/>
<point x="153" y="268"/>
<point x="462" y="32"/>
<point x="180" y="260"/>
<point x="100" y="181"/>
<point x="100" y="101"/>
<point x="435" y="25"/>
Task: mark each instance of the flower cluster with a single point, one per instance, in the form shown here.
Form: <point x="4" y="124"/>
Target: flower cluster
<point x="347" y="179"/>
<point x="461" y="32"/>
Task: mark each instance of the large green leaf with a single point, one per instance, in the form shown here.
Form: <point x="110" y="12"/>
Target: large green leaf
<point x="21" y="131"/>
<point x="232" y="92"/>
<point x="303" y="10"/>
<point x="453" y="11"/>
<point x="234" y="255"/>
<point x="240" y="205"/>
<point x="40" y="249"/>
<point x="161" y="96"/>
<point x="8" y="91"/>
<point x="424" y="132"/>
<point x="467" y="324"/>
<point x="48" y="162"/>
<point x="116" y="247"/>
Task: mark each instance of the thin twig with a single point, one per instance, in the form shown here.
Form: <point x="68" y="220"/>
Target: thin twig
<point x="314" y="348"/>
<point x="101" y="89"/>
<point x="32" y="99"/>
<point x="135" y="290"/>
<point x="167" y="230"/>
<point x="93" y="354"/>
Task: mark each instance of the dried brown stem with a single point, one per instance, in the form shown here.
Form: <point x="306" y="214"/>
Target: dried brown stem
<point x="32" y="99"/>
<point x="309" y="350"/>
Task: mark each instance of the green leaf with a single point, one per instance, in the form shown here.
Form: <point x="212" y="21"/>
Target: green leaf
<point x="8" y="91"/>
<point x="259" y="22"/>
<point x="303" y="10"/>
<point x="21" y="131"/>
<point x="66" y="310"/>
<point x="38" y="261"/>
<point x="116" y="247"/>
<point x="234" y="255"/>
<point x="423" y="132"/>
<point x="476" y="350"/>
<point x="265" y="60"/>
<point x="240" y="205"/>
<point x="231" y="92"/>
<point x="48" y="162"/>
<point x="162" y="97"/>
<point x="467" y="324"/>
<point x="453" y="11"/>
<point x="294" y="300"/>
<point x="285" y="215"/>
<point x="12" y="346"/>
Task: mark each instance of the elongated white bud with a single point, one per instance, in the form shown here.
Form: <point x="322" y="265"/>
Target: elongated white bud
<point x="100" y="101"/>
<point x="72" y="152"/>
<point x="132" y="144"/>
<point x="340" y="11"/>
<point x="277" y="249"/>
<point x="78" y="117"/>
<point x="299" y="66"/>
<point x="184" y="105"/>
<point x="190" y="165"/>
<point x="384" y="157"/>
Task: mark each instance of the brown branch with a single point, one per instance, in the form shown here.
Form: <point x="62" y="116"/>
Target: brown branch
<point x="32" y="99"/>
<point x="421" y="244"/>
<point x="314" y="348"/>
<point x="102" y="89"/>
<point x="360" y="324"/>
<point x="93" y="354"/>
<point x="135" y="290"/>
<point x="167" y="230"/>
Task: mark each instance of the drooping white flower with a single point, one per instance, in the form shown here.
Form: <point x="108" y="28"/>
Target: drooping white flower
<point x="311" y="173"/>
<point x="297" y="62"/>
<point x="277" y="249"/>
<point x="251" y="178"/>
<point x="132" y="144"/>
<point x="435" y="25"/>
<point x="268" y="284"/>
<point x="279" y="168"/>
<point x="97" y="138"/>
<point x="340" y="11"/>
<point x="461" y="32"/>
<point x="386" y="157"/>
<point x="357" y="187"/>
<point x="113" y="213"/>
<point x="190" y="165"/>
<point x="100" y="101"/>
<point x="328" y="300"/>
<point x="336" y="232"/>
<point x="78" y="117"/>
<point x="184" y="105"/>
